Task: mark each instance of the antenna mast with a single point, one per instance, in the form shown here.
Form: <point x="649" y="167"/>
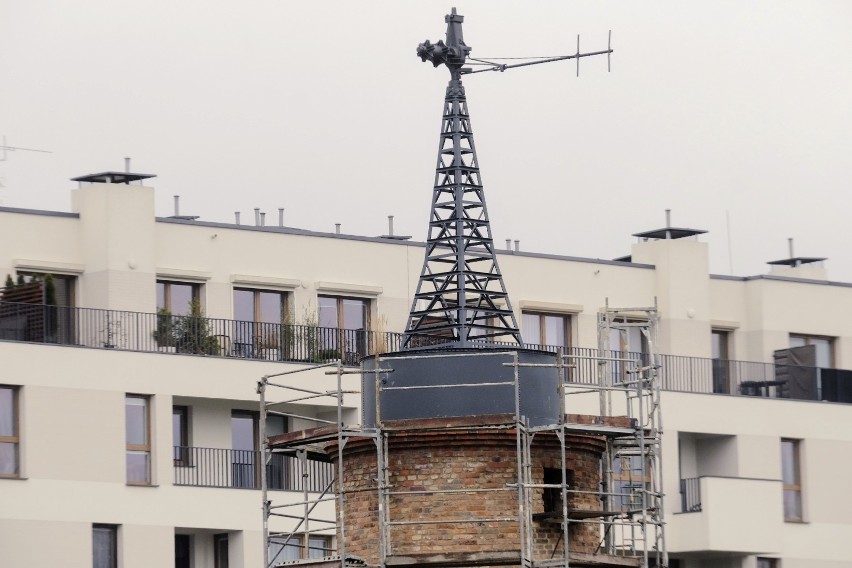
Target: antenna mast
<point x="461" y="299"/>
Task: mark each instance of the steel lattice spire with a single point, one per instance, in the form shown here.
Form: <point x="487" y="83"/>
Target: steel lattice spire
<point x="461" y="295"/>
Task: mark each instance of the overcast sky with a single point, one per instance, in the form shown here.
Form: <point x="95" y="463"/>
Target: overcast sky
<point x="716" y="110"/>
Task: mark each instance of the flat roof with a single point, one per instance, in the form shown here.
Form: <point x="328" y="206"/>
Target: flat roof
<point x="669" y="233"/>
<point x="113" y="177"/>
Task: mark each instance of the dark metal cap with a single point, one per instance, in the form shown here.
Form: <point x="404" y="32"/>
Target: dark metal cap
<point x="113" y="177"/>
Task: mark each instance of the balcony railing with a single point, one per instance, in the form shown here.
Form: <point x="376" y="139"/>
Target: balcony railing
<point x="690" y="495"/>
<point x="166" y="333"/>
<point x="215" y="467"/>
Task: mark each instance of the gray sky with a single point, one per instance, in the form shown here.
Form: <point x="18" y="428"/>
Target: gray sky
<point x="323" y="108"/>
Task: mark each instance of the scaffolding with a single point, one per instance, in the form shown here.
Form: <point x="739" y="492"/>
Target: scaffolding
<point x="629" y="520"/>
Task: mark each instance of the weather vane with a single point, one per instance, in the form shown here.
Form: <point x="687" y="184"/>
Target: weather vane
<point x="461" y="300"/>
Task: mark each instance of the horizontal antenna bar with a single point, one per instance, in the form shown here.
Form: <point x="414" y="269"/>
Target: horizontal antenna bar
<point x="502" y="68"/>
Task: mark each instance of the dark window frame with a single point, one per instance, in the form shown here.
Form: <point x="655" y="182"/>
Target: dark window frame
<point x="112" y="531"/>
<point x="180" y="452"/>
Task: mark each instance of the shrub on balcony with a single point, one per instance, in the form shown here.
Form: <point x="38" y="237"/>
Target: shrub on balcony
<point x="164" y="334"/>
<point x="192" y="332"/>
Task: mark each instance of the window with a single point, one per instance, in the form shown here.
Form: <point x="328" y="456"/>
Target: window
<point x="177" y="297"/>
<point x="824" y="348"/>
<point x="546" y="329"/>
<point x="55" y="324"/>
<point x="792" y="478"/>
<point x="630" y="480"/>
<point x="9" y="432"/>
<point x="343" y="324"/>
<point x="104" y="546"/>
<point x="627" y="340"/>
<point x="244" y="449"/>
<point x="138" y="431"/>
<point x="64" y="286"/>
<point x="180" y="434"/>
<point x="719" y="348"/>
<point x="318" y="547"/>
<point x="259" y="315"/>
<point x="767" y="563"/>
<point x="183" y="551"/>
<point x="220" y="550"/>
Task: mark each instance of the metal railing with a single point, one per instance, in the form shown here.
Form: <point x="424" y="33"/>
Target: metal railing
<point x="187" y="334"/>
<point x="167" y="333"/>
<point x="216" y="467"/>
<point x="690" y="495"/>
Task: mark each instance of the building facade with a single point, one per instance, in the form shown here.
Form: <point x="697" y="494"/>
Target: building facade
<point x="146" y="342"/>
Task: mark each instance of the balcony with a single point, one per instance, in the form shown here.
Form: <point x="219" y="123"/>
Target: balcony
<point x="240" y="469"/>
<point x="166" y="333"/>
<point x="756" y="530"/>
<point x="192" y="335"/>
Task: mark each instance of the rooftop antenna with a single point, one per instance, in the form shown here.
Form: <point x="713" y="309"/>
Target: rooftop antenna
<point x="7" y="149"/>
<point x="461" y="299"/>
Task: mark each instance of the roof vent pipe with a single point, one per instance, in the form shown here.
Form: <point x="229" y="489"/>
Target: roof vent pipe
<point x="263" y="219"/>
<point x="508" y="244"/>
<point x="517" y="246"/>
<point x="237" y="217"/>
<point x="127" y="167"/>
<point x="668" y="218"/>
<point x="280" y="216"/>
<point x="390" y="225"/>
<point x="177" y="204"/>
<point x="337" y="228"/>
<point x="257" y="216"/>
<point x="790" y="246"/>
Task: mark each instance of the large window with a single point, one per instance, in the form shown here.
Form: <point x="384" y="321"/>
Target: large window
<point x="824" y="348"/>
<point x="767" y="563"/>
<point x="245" y="443"/>
<point x="343" y="325"/>
<point x="791" y="475"/>
<point x="104" y="546"/>
<point x="258" y="315"/>
<point x="138" y="431"/>
<point x="9" y="432"/>
<point x="546" y="329"/>
<point x="719" y="348"/>
<point x="177" y="297"/>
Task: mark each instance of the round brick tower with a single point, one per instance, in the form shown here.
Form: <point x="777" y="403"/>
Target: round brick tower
<point x="452" y="495"/>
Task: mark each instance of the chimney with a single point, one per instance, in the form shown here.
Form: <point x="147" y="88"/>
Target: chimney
<point x="509" y="244"/>
<point x="337" y="228"/>
<point x="390" y="225"/>
<point x="177" y="201"/>
<point x="517" y="246"/>
<point x="237" y="217"/>
<point x="257" y="216"/>
<point x="127" y="167"/>
<point x="263" y="219"/>
<point x="280" y="216"/>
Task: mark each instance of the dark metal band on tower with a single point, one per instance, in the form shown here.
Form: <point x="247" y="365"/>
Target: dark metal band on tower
<point x="461" y="295"/>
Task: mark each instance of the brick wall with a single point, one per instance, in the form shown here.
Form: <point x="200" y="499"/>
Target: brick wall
<point x="456" y="460"/>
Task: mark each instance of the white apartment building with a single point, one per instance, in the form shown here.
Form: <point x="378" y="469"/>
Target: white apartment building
<point x="128" y="405"/>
